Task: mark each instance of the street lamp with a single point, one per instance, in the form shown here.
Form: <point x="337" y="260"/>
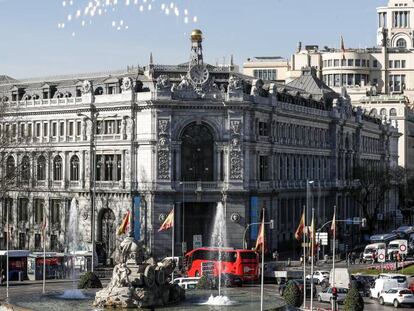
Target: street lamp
<point x="92" y="171"/>
<point x="270" y="223"/>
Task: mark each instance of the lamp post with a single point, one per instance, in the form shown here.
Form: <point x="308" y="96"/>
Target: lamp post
<point x="270" y="223"/>
<point x="183" y="215"/>
<point x="92" y="172"/>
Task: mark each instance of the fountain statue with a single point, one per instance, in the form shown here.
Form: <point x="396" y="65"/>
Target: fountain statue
<point x="139" y="283"/>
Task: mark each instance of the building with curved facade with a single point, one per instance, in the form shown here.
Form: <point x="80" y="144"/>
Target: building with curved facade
<point x="183" y="137"/>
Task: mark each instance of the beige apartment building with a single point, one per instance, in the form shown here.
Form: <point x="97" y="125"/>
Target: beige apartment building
<point x="380" y="79"/>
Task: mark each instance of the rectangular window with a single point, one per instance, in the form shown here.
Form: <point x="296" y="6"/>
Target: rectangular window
<point x="38" y="125"/>
<point x="53" y="242"/>
<point x="343" y="62"/>
<point x="403" y="64"/>
<point x="45" y="128"/>
<point x="336" y="80"/>
<point x="364" y="63"/>
<point x="54" y="129"/>
<point x="350" y="62"/>
<point x="118" y="126"/>
<point x="375" y="63"/>
<point x="55" y="211"/>
<point x="78" y="128"/>
<point x="367" y="63"/>
<point x="330" y="63"/>
<point x="22" y="241"/>
<point x="336" y="63"/>
<point x="38" y="208"/>
<point x="71" y="128"/>
<point x="22" y="213"/>
<point x="263" y="129"/>
<point x="264" y="168"/>
<point x="22" y="130"/>
<point x="62" y="128"/>
<point x="357" y="63"/>
<point x="390" y="64"/>
<point x="29" y="130"/>
<point x="397" y="64"/>
<point x="38" y="241"/>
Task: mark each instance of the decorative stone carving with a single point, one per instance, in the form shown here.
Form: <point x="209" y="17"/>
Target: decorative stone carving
<point x="235" y="150"/>
<point x="164" y="149"/>
<point x="126" y="84"/>
<point x="136" y="283"/>
<point x="86" y="87"/>
<point x="163" y="83"/>
<point x="257" y="88"/>
<point x="235" y="84"/>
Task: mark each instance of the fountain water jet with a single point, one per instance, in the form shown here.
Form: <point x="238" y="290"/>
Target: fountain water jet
<point x="73" y="246"/>
<point x="219" y="240"/>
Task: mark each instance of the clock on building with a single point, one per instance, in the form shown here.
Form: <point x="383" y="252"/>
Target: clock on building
<point x="198" y="74"/>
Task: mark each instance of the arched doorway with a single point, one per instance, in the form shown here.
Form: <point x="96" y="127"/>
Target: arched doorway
<point x="197" y="153"/>
<point x="107" y="229"/>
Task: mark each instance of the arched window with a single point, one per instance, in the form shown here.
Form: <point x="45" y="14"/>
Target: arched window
<point x="383" y="112"/>
<point x="57" y="168"/>
<point x="74" y="168"/>
<point x="41" y="168"/>
<point x="10" y="168"/>
<point x="393" y="112"/>
<point x="374" y="112"/>
<point x="98" y="91"/>
<point x="25" y="169"/>
<point x="401" y="43"/>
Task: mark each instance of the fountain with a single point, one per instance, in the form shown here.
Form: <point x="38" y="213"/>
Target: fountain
<point x="73" y="246"/>
<point x="219" y="240"/>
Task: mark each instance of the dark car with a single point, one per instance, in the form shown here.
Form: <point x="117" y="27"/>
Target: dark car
<point x="228" y="280"/>
<point x="363" y="284"/>
<point x="299" y="284"/>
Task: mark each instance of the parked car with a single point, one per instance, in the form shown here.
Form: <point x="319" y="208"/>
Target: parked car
<point x="362" y="284"/>
<point x="397" y="297"/>
<point x="326" y="295"/>
<point x="319" y="276"/>
<point x="299" y="284"/>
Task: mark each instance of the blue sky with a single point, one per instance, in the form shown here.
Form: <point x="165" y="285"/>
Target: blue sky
<point x="31" y="44"/>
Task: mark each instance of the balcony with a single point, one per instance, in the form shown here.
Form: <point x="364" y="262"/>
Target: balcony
<point x="200" y="186"/>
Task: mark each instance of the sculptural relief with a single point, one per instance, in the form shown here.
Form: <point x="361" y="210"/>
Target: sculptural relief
<point x="164" y="148"/>
<point x="235" y="150"/>
<point x="86" y="87"/>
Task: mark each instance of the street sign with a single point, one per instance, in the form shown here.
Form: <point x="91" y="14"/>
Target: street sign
<point x="403" y="248"/>
<point x="381" y="255"/>
<point x="322" y="238"/>
<point x="349" y="221"/>
<point x="197" y="241"/>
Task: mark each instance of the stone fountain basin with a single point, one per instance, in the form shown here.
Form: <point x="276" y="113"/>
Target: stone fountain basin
<point x="246" y="299"/>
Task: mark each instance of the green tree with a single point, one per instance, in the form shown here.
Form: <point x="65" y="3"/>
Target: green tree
<point x="292" y="295"/>
<point x="353" y="300"/>
<point x="89" y="280"/>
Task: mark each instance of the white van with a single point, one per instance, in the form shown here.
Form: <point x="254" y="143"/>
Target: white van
<point x="187" y="283"/>
<point x="342" y="278"/>
<point x="382" y="285"/>
<point x="372" y="249"/>
<point x="394" y="246"/>
<point x="401" y="278"/>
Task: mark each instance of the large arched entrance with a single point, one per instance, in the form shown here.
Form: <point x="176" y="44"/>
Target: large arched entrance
<point x="106" y="234"/>
<point x="197" y="153"/>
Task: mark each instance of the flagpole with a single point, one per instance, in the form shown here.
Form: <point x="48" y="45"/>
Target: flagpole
<point x="312" y="254"/>
<point x="333" y="259"/>
<point x="7" y="252"/>
<point x="44" y="251"/>
<point x="262" y="276"/>
<point x="172" y="243"/>
<point x="304" y="257"/>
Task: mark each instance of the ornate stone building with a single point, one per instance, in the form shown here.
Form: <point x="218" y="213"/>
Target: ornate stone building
<point x="183" y="137"/>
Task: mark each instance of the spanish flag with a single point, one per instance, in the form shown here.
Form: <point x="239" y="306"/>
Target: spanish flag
<point x="260" y="242"/>
<point x="301" y="227"/>
<point x="342" y="47"/>
<point x="124" y="225"/>
<point x="168" y="222"/>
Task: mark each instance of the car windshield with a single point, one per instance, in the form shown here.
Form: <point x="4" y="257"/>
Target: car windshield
<point x="369" y="250"/>
<point x="400" y="279"/>
<point x="342" y="290"/>
<point x="393" y="246"/>
<point x="248" y="255"/>
<point x="405" y="292"/>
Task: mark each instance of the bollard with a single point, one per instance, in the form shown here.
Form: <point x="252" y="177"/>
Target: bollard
<point x="289" y="262"/>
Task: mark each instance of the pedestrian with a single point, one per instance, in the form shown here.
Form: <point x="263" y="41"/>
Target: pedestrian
<point x="301" y="260"/>
<point x="275" y="256"/>
<point x="2" y="277"/>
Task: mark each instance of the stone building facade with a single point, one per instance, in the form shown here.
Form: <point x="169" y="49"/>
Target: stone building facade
<point x="183" y="137"/>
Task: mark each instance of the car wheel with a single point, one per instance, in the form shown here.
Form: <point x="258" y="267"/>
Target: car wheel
<point x="381" y="301"/>
<point x="396" y="303"/>
<point x="319" y="298"/>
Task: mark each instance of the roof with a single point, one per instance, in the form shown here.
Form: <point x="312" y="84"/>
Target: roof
<point x="313" y="85"/>
<point x="6" y="79"/>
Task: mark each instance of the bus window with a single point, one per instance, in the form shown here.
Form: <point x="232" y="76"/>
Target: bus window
<point x="248" y="255"/>
<point x="229" y="256"/>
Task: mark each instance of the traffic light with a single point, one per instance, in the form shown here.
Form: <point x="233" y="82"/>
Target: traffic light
<point x="334" y="293"/>
<point x="363" y="222"/>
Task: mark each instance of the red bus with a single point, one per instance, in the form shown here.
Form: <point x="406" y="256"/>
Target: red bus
<point x="241" y="262"/>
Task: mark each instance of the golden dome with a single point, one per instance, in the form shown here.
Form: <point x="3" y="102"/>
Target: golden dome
<point x="196" y="35"/>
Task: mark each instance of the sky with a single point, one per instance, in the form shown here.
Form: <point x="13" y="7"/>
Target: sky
<point x="34" y="43"/>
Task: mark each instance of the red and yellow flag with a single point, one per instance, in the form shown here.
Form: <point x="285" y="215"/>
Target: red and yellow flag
<point x="260" y="242"/>
<point x="124" y="225"/>
<point x="43" y="226"/>
<point x="168" y="222"/>
<point x="301" y="227"/>
<point x="342" y="47"/>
